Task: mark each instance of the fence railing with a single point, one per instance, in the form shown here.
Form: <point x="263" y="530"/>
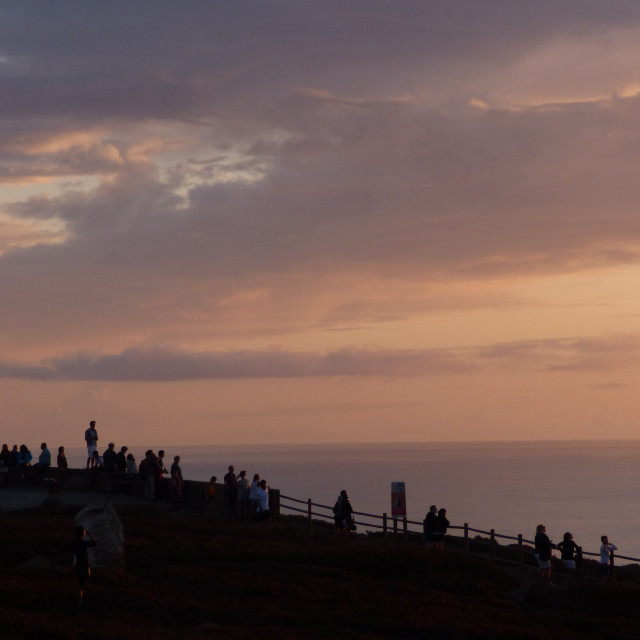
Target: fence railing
<point x="394" y="525"/>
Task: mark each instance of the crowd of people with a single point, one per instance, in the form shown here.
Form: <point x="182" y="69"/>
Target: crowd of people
<point x="248" y="501"/>
<point x="20" y="459"/>
<point x="244" y="500"/>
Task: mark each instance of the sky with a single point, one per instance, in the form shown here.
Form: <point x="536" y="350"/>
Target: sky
<point x="324" y="221"/>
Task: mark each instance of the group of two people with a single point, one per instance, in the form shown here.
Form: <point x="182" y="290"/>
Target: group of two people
<point x="435" y="527"/>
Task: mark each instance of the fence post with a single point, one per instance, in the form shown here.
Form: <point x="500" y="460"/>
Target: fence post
<point x="466" y="537"/>
<point x="493" y="544"/>
<point x="612" y="569"/>
<point x="385" y="529"/>
<point x="395" y="526"/>
<point x="520" y="553"/>
<point x="405" y="530"/>
<point x="309" y="514"/>
<point x="274" y="503"/>
<point x="579" y="560"/>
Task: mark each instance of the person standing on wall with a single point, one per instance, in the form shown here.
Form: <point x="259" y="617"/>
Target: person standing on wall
<point x="91" y="438"/>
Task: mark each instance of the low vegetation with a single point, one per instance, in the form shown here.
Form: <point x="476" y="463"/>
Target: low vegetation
<point x="191" y="577"/>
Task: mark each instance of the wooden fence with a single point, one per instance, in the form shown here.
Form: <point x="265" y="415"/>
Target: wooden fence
<point x="403" y="529"/>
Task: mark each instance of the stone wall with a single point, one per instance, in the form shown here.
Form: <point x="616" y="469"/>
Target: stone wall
<point x="102" y="482"/>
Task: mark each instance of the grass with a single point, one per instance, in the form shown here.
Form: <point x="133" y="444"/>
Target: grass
<point x="190" y="577"/>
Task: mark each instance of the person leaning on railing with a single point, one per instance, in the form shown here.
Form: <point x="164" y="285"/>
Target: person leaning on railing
<point x="441" y="525"/>
<point x="429" y="524"/>
<point x="543" y="547"/>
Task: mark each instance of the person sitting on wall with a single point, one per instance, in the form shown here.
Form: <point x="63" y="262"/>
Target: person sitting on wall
<point x="96" y="469"/>
<point x="63" y="466"/>
<point x="23" y="460"/>
<point x="41" y="468"/>
<point x="5" y="458"/>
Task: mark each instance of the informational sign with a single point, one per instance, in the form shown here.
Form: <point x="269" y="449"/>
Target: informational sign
<point x="398" y="500"/>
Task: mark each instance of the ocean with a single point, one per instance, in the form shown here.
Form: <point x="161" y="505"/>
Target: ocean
<point x="586" y="487"/>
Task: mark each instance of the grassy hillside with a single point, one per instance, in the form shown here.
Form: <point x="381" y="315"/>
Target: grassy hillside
<point x="188" y="577"/>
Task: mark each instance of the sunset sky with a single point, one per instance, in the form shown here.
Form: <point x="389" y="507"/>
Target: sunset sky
<point x="290" y="221"/>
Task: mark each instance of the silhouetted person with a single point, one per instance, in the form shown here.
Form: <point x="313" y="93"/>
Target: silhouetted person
<point x="13" y="456"/>
<point x="542" y="552"/>
<point x="441" y="525"/>
<point x="96" y="469"/>
<point x="121" y="460"/>
<point x="41" y="467"/>
<point x="264" y="512"/>
<point x="176" y="484"/>
<point x="109" y="458"/>
<point x="97" y="461"/>
<point x="568" y="549"/>
<point x="604" y="566"/>
<point x="5" y="455"/>
<point x="429" y="524"/>
<point x="5" y="459"/>
<point x="230" y="494"/>
<point x="161" y="488"/>
<point x="24" y="460"/>
<point x="343" y="513"/>
<point x="253" y="497"/>
<point x="210" y="496"/>
<point x="83" y="570"/>
<point x="150" y="470"/>
<point x="91" y="438"/>
<point x="132" y="467"/>
<point x="243" y="496"/>
<point x="63" y="466"/>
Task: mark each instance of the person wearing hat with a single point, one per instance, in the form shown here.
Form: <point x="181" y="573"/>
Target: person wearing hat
<point x="230" y="494"/>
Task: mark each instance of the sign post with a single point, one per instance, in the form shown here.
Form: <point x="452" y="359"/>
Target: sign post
<point x="398" y="500"/>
